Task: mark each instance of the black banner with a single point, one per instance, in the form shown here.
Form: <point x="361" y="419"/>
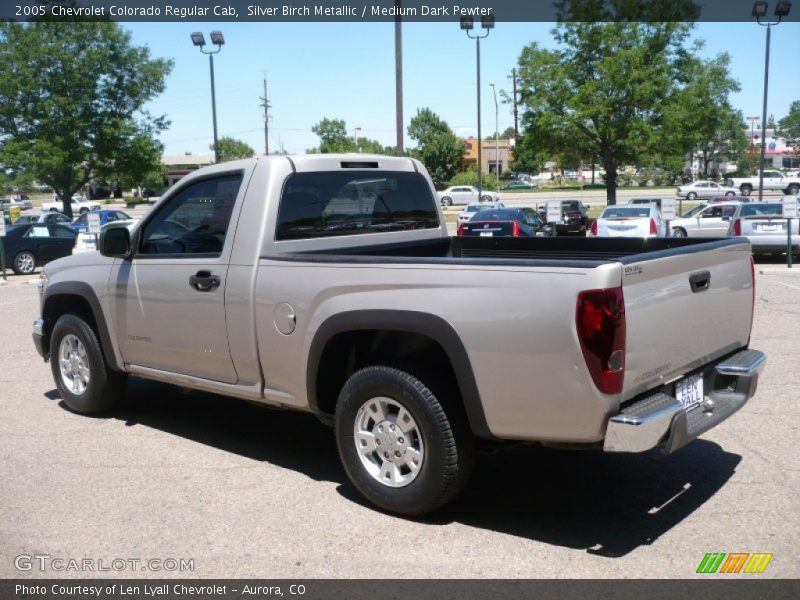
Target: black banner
<point x="386" y="10"/>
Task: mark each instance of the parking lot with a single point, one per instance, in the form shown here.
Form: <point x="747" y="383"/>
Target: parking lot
<point x="244" y="491"/>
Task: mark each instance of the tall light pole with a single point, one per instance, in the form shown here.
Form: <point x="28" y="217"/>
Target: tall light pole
<point x="467" y="24"/>
<point x="496" y="133"/>
<point x="760" y="11"/>
<point x="199" y="40"/>
<point x="398" y="79"/>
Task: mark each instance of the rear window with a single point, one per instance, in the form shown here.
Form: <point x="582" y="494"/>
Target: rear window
<point x="756" y="210"/>
<point x="631" y="212"/>
<point x="331" y="203"/>
<point x="500" y="214"/>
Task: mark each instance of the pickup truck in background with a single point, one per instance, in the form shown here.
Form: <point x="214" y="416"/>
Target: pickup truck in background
<point x="80" y="205"/>
<point x="773" y="180"/>
<point x="329" y="284"/>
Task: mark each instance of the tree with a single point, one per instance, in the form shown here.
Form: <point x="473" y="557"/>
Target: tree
<point x="470" y="177"/>
<point x="507" y="134"/>
<point x="233" y="149"/>
<point x="790" y="126"/>
<point x="604" y="92"/>
<point x="333" y="137"/>
<point x="71" y="103"/>
<point x="438" y="148"/>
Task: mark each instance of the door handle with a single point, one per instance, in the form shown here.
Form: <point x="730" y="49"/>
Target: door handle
<point x="700" y="281"/>
<point x="204" y="281"/>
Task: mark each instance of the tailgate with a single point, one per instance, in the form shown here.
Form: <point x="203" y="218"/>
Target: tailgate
<point x="683" y="311"/>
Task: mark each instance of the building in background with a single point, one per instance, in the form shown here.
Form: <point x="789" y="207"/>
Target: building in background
<point x="778" y="155"/>
<point x="182" y="164"/>
<point x="493" y="159"/>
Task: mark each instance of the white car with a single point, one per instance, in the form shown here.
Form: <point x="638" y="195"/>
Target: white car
<point x="705" y="220"/>
<point x="629" y="221"/>
<point x="472" y="209"/>
<point x="705" y="189"/>
<point x="80" y="204"/>
<point x="466" y="194"/>
<point x="87" y="242"/>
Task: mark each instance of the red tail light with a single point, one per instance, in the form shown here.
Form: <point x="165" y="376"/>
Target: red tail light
<point x="460" y="230"/>
<point x="515" y="232"/>
<point x="600" y="321"/>
<point x="737" y="227"/>
<point x="594" y="227"/>
<point x="653" y="227"/>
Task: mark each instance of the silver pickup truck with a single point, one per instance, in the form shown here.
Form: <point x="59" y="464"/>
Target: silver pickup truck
<point x="329" y="284"/>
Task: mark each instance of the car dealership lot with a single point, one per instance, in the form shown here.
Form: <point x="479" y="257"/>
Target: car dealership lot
<point x="250" y="492"/>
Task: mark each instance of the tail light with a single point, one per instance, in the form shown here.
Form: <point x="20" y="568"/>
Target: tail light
<point x="600" y="321"/>
<point x="737" y="227"/>
<point x="653" y="227"/>
<point x="593" y="230"/>
<point x="515" y="231"/>
<point x="460" y="230"/>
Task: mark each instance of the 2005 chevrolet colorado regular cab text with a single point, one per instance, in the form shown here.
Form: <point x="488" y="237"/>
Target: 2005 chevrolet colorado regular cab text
<point x="329" y="284"/>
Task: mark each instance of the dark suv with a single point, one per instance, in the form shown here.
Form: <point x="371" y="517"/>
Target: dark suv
<point x="573" y="218"/>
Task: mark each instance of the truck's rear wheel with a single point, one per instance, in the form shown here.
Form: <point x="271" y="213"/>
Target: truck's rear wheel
<point x="84" y="380"/>
<point x="400" y="448"/>
<point x="793" y="189"/>
<point x="746" y="190"/>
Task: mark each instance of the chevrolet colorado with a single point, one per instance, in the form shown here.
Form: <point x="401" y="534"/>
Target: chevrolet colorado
<point x="329" y="284"/>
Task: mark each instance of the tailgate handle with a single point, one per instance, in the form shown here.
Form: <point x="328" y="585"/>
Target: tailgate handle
<point x="700" y="281"/>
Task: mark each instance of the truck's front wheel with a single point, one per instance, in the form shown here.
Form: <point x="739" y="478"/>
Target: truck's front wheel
<point x="84" y="380"/>
<point x="400" y="448"/>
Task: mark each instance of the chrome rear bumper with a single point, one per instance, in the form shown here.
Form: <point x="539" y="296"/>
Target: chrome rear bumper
<point x="659" y="421"/>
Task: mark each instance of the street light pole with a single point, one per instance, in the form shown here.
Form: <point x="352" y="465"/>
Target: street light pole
<point x="355" y="137"/>
<point x="199" y="40"/>
<point x="496" y="134"/>
<point x="467" y="24"/>
<point x="759" y="11"/>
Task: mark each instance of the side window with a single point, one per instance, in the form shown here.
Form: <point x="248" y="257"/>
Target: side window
<point x="61" y="232"/>
<point x="727" y="211"/>
<point x="38" y="231"/>
<point x="195" y="221"/>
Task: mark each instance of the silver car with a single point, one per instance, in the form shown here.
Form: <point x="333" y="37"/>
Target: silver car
<point x="765" y="226"/>
<point x="466" y="194"/>
<point x="472" y="209"/>
<point x="705" y="220"/>
<point x="705" y="189"/>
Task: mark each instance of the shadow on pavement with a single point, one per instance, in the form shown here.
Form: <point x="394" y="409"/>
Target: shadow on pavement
<point x="606" y="504"/>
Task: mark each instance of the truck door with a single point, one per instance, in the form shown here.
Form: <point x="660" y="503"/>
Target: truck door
<point x="168" y="301"/>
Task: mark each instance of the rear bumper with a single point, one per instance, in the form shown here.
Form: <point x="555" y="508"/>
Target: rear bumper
<point x="659" y="421"/>
<point x="38" y="338"/>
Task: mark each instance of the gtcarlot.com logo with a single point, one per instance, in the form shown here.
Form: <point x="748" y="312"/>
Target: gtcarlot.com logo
<point x="735" y="562"/>
<point x="46" y="562"/>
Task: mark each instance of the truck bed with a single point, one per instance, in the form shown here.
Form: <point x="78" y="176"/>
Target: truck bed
<point x="551" y="252"/>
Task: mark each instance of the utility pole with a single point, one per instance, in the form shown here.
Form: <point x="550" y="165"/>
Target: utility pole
<point x="266" y="106"/>
<point x="398" y="79"/>
<point x="516" y="115"/>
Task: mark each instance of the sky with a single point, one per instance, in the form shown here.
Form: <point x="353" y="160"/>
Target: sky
<point x="346" y="71"/>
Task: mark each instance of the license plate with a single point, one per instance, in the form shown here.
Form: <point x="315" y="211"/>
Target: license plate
<point x="487" y="234"/>
<point x="769" y="228"/>
<point x="689" y="391"/>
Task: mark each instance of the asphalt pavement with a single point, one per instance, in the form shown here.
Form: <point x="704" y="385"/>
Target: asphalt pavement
<point x="242" y="491"/>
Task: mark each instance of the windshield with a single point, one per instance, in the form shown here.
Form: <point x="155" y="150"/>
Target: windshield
<point x="500" y="214"/>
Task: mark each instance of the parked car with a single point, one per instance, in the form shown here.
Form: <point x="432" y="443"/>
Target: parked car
<point x="465" y="194"/>
<point x="469" y="212"/>
<point x="764" y="225"/>
<point x="773" y="180"/>
<point x="705" y="189"/>
<point x="731" y="199"/>
<point x="24" y="200"/>
<point x="87" y="242"/>
<point x="80" y="205"/>
<point x="48" y="217"/>
<point x="106" y="216"/>
<point x="629" y="221"/>
<point x="519" y="185"/>
<point x="705" y="220"/>
<point x="288" y="284"/>
<point x="645" y="201"/>
<point x="574" y="217"/>
<point x="11" y="202"/>
<point x="497" y="222"/>
<point x="29" y="246"/>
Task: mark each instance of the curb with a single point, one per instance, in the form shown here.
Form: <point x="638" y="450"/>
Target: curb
<point x="780" y="270"/>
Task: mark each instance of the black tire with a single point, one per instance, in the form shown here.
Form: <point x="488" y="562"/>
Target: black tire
<point x="105" y="386"/>
<point x="678" y="232"/>
<point x="447" y="201"/>
<point x="24" y="263"/>
<point x="691" y="196"/>
<point x="83" y="211"/>
<point x="448" y="444"/>
<point x="55" y="210"/>
<point x="486" y="199"/>
<point x="730" y="194"/>
<point x="793" y="190"/>
<point x="746" y="190"/>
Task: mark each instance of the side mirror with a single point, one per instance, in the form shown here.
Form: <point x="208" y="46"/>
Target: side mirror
<point x="115" y="242"/>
